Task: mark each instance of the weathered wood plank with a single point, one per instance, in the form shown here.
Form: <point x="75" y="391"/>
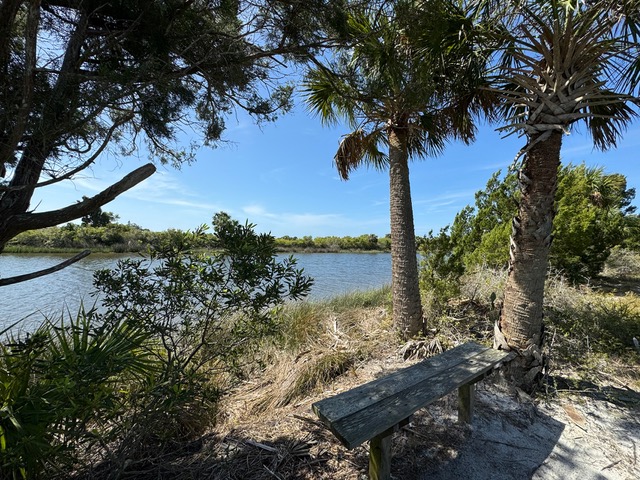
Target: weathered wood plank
<point x="466" y="402"/>
<point x="333" y="408"/>
<point x="380" y="456"/>
<point x="412" y="391"/>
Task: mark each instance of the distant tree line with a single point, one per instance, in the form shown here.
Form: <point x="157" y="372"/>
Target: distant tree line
<point x="368" y="242"/>
<point x="122" y="238"/>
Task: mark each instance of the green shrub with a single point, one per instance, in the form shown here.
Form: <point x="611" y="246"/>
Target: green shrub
<point x="593" y="216"/>
<point x="130" y="381"/>
<point x="208" y="313"/>
<point x="61" y="391"/>
<point x="440" y="270"/>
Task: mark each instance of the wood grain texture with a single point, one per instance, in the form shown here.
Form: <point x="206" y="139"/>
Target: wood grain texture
<point x="364" y="412"/>
<point x="380" y="456"/>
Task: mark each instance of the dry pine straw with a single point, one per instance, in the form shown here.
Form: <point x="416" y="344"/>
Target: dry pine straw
<point x="290" y="443"/>
<point x="264" y="432"/>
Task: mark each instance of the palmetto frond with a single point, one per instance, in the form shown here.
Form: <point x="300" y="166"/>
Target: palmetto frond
<point x="408" y="61"/>
<point x="360" y="147"/>
<point x="329" y="96"/>
<point x="628" y="11"/>
<point x="608" y="120"/>
<point x="411" y="66"/>
<point x="428" y="136"/>
<point x="561" y="64"/>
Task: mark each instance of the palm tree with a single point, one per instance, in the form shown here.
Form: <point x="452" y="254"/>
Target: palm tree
<point x="407" y="81"/>
<point x="563" y="62"/>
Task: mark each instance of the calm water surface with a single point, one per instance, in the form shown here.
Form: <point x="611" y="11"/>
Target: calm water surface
<point x="334" y="274"/>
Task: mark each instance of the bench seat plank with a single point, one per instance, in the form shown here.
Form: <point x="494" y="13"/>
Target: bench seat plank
<point x="360" y="414"/>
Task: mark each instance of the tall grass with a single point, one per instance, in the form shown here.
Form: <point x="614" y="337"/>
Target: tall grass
<point x="322" y="340"/>
<point x="319" y="341"/>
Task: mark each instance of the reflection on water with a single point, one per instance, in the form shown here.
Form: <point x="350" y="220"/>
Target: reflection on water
<point x="334" y="274"/>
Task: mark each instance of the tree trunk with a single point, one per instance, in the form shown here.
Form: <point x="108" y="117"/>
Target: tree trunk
<point x="520" y="325"/>
<point x="407" y="307"/>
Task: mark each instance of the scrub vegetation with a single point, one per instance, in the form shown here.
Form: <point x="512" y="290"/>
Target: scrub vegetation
<point x="206" y="331"/>
<point x="130" y="238"/>
<point x="106" y="390"/>
<point x="133" y="393"/>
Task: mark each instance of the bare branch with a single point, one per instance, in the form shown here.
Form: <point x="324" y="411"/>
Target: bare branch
<point x="32" y="221"/>
<point x="41" y="273"/>
<point x="31" y="35"/>
<point x="79" y="168"/>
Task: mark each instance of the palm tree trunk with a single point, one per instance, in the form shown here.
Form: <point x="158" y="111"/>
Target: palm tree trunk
<point x="407" y="307"/>
<point x="520" y="325"/>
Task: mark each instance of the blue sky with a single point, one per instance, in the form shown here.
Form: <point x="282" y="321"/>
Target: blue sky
<point x="280" y="176"/>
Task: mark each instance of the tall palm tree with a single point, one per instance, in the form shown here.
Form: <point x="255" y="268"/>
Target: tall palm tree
<point x="563" y="62"/>
<point x="407" y="81"/>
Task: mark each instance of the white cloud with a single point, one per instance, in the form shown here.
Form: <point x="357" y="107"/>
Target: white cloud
<point x="446" y="199"/>
<point x="160" y="188"/>
<point x="493" y="166"/>
<point x="317" y="224"/>
<point x="257" y="210"/>
<point x="587" y="147"/>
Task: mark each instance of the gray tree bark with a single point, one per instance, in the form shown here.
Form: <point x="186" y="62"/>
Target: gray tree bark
<point x="407" y="306"/>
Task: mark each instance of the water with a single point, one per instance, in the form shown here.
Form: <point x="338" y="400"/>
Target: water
<point x="334" y="274"/>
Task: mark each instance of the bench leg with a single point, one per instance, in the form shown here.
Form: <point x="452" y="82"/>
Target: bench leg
<point x="466" y="394"/>
<point x="380" y="456"/>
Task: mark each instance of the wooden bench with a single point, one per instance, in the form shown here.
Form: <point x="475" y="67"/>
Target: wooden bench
<point x="375" y="410"/>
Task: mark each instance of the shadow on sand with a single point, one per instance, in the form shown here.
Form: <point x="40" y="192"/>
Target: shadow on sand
<point x="510" y="439"/>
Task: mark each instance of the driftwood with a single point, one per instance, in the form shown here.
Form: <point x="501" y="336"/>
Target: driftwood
<point x="40" y="273"/>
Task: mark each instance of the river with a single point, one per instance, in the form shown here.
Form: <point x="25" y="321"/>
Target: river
<point x="334" y="274"/>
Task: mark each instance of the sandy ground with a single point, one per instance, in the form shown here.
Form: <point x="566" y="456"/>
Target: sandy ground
<point x="572" y="437"/>
<point x="582" y="433"/>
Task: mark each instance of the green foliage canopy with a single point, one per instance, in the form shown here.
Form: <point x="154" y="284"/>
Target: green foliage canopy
<point x="81" y="78"/>
<point x="594" y="214"/>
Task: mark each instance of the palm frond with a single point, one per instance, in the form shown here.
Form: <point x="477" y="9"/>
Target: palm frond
<point x="607" y="121"/>
<point x="564" y="61"/>
<point x="321" y="91"/>
<point x="359" y="147"/>
<point x="628" y="11"/>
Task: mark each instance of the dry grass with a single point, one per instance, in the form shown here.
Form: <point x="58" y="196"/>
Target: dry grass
<point x="590" y="334"/>
<point x="266" y="430"/>
<point x="622" y="264"/>
<point x="269" y="431"/>
<point x="320" y="342"/>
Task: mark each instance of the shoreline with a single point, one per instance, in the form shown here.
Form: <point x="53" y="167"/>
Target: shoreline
<point x="20" y="250"/>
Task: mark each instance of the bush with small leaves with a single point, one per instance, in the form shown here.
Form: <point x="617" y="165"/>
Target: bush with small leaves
<point x="207" y="313"/>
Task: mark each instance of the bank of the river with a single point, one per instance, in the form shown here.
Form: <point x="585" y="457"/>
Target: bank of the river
<point x="284" y="250"/>
<point x="263" y="428"/>
<point x="119" y="238"/>
<point x="584" y="425"/>
<point x="19" y="249"/>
